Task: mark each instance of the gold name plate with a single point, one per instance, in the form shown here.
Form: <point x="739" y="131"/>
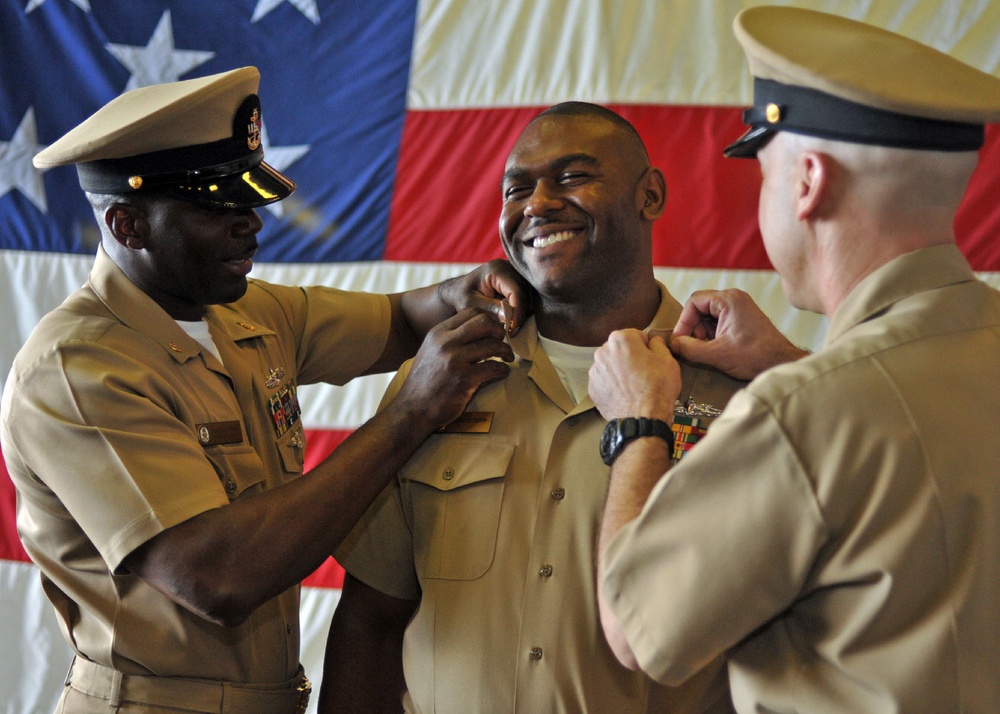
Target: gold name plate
<point x="470" y="423"/>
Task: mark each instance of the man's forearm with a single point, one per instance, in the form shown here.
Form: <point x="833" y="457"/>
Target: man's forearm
<point x="228" y="561"/>
<point x="635" y="472"/>
<point x="363" y="667"/>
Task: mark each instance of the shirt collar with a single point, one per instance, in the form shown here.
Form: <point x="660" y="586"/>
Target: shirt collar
<point x="903" y="276"/>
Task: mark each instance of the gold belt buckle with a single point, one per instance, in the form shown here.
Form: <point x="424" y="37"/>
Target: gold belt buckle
<point x="304" y="689"/>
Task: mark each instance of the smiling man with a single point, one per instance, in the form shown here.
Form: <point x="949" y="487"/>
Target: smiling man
<point x="487" y="538"/>
<point x="151" y="426"/>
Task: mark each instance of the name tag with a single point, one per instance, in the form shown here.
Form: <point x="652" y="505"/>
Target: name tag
<point x="469" y="423"/>
<point x="219" y="432"/>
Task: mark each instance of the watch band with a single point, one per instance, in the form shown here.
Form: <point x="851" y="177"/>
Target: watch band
<point x="619" y="432"/>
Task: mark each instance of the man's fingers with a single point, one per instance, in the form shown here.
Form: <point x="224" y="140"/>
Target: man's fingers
<point x="696" y="318"/>
<point x="473" y="323"/>
<point x="470" y="336"/>
<point x="691" y="348"/>
<point x="508" y="295"/>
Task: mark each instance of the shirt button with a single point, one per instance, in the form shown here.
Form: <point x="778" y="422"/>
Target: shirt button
<point x="558" y="493"/>
<point x="545" y="571"/>
<point x="448" y="474"/>
<point x="535" y="653"/>
<point x="230" y="487"/>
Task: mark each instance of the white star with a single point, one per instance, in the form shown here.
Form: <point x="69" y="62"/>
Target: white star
<point x="158" y="61"/>
<point x="280" y="157"/>
<point x="16" y="169"/>
<point x="82" y="4"/>
<point x="306" y="7"/>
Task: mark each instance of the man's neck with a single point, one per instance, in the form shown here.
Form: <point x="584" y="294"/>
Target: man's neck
<point x="588" y="324"/>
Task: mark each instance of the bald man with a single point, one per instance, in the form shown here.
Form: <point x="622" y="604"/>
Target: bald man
<point x="837" y="534"/>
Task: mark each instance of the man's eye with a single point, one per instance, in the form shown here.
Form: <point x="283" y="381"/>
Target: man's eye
<point x="573" y="177"/>
<point x="512" y="193"/>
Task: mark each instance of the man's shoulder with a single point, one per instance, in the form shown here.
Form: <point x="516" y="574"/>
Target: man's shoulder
<point x="82" y="317"/>
<point x="832" y="378"/>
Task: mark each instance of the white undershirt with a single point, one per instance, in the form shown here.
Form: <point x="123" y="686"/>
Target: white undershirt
<point x="198" y="331"/>
<point x="572" y="364"/>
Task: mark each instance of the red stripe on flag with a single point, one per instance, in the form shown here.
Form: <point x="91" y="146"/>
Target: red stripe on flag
<point x="446" y="201"/>
<point x="447" y="196"/>
<point x="320" y="443"/>
<point x="10" y="544"/>
<point x="978" y="222"/>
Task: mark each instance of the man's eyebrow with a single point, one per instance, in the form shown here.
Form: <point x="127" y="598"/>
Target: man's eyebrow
<point x="516" y="173"/>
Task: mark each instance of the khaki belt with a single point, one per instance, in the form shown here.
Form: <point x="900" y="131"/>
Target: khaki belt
<point x="199" y="695"/>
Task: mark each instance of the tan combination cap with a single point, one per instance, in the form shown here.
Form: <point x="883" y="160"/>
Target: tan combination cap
<point x="197" y="139"/>
<point x="827" y="76"/>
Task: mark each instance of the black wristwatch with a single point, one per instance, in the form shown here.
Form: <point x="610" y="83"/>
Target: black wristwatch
<point x="618" y="432"/>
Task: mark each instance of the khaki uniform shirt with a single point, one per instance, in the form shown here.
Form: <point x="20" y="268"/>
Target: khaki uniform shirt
<point x="116" y="426"/>
<point x="838" y="531"/>
<point x="495" y="533"/>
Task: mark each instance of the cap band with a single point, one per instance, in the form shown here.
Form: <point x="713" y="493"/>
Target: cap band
<point x="801" y="110"/>
<point x="172" y="166"/>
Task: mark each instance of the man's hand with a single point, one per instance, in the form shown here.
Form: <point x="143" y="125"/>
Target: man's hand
<point x="726" y="329"/>
<point x="456" y="358"/>
<point x="487" y="288"/>
<point x="635" y="375"/>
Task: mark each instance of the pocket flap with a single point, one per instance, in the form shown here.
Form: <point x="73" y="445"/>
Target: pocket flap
<point x="453" y="461"/>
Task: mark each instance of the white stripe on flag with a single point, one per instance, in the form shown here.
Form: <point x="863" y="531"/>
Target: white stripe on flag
<point x="481" y="53"/>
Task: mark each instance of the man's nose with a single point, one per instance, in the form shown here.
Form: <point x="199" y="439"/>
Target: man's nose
<point x="543" y="199"/>
<point x="248" y="221"/>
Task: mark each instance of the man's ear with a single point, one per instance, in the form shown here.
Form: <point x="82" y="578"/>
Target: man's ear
<point x="652" y="194"/>
<point x="815" y="171"/>
<point x="127" y="224"/>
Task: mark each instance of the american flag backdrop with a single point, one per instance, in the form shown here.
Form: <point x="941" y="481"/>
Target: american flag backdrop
<point x="395" y="117"/>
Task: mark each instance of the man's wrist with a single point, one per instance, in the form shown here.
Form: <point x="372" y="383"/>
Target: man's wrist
<point x="620" y="432"/>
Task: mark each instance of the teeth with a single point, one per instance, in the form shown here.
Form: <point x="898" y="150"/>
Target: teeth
<point x="554" y="238"/>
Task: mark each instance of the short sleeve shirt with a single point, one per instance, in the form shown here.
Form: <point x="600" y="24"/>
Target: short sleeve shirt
<point x="116" y="425"/>
<point x="838" y="530"/>
<point x="494" y="530"/>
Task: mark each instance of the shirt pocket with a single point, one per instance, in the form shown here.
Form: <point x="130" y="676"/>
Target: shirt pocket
<point x="456" y="493"/>
<point x="292" y="448"/>
<point x="240" y="469"/>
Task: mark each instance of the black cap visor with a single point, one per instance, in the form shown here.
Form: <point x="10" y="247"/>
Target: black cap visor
<point x="747" y="146"/>
<point x="257" y="186"/>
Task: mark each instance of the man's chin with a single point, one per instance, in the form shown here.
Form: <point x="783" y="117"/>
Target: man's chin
<point x="233" y="292"/>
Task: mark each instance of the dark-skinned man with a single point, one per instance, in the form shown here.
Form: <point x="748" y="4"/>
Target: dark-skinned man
<point x="151" y="424"/>
<point x="472" y="574"/>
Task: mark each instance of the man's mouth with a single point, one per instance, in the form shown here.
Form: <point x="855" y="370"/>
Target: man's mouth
<point x="241" y="264"/>
<point x="544" y="241"/>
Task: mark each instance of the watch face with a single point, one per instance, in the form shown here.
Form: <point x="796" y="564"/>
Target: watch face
<point x="609" y="441"/>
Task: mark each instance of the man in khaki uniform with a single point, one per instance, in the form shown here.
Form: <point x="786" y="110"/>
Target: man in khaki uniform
<point x="837" y="534"/>
<point x="151" y="424"/>
<point x="487" y="538"/>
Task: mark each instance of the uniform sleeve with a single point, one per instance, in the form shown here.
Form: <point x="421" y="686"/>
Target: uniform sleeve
<point x="379" y="550"/>
<point x="338" y="334"/>
<point x="723" y="544"/>
<point x="98" y="423"/>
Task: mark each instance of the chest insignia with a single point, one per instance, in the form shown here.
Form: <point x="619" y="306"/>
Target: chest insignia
<point x="469" y="423"/>
<point x="691" y="421"/>
<point x="285" y="410"/>
<point x="274" y="377"/>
